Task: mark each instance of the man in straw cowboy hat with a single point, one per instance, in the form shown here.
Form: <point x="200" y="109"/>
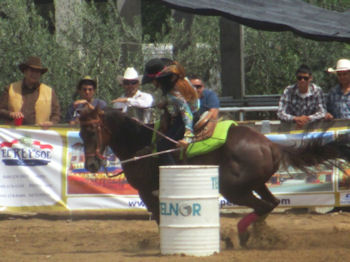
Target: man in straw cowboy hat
<point x="85" y="90"/>
<point x="32" y="102"/>
<point x="338" y="100"/>
<point x="133" y="101"/>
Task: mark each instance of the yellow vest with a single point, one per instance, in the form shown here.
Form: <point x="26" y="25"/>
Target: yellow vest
<point x="42" y="105"/>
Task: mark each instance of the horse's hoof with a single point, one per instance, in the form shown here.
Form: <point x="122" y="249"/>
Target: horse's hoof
<point x="228" y="243"/>
<point x="243" y="238"/>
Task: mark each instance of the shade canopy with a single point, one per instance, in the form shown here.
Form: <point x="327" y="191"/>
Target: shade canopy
<point x="302" y="18"/>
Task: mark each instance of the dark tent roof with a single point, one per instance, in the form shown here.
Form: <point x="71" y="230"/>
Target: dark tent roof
<point x="275" y="15"/>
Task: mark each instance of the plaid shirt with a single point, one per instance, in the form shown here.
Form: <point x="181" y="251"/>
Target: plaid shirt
<point x="338" y="103"/>
<point x="293" y="103"/>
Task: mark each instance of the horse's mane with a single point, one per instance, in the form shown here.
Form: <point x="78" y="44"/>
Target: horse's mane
<point x="126" y="130"/>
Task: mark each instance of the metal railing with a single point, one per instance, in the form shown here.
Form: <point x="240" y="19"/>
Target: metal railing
<point x="242" y="110"/>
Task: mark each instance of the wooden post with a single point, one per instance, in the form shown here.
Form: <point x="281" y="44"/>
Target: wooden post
<point x="232" y="64"/>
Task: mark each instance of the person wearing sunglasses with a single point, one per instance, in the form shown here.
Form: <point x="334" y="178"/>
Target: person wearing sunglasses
<point x="302" y="102"/>
<point x="133" y="101"/>
<point x="338" y="100"/>
<point x="86" y="90"/>
<point x="209" y="104"/>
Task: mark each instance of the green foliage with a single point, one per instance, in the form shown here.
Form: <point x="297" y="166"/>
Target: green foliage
<point x="200" y="46"/>
<point x="335" y="5"/>
<point x="104" y="45"/>
<point x="271" y="59"/>
<point x="94" y="51"/>
<point x="153" y="20"/>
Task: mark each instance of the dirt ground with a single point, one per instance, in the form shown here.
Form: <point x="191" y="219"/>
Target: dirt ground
<point x="284" y="237"/>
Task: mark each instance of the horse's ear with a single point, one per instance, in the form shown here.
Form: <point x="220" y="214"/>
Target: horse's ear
<point x="83" y="110"/>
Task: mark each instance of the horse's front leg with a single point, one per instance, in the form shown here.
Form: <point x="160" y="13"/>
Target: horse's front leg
<point x="144" y="176"/>
<point x="152" y="203"/>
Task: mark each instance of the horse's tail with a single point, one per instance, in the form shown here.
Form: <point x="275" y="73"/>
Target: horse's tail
<point x="317" y="152"/>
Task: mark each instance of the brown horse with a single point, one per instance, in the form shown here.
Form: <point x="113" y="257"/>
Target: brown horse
<point x="246" y="161"/>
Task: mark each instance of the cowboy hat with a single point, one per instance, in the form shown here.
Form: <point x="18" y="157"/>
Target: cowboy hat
<point x="32" y="62"/>
<point x="342" y="65"/>
<point x="152" y="68"/>
<point x="129" y="74"/>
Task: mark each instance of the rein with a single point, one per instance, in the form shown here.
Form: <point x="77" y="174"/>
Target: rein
<point x="98" y="125"/>
<point x="154" y="130"/>
<point x="135" y="158"/>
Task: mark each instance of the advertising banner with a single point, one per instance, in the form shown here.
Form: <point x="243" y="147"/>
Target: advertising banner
<point x="31" y="163"/>
<point x="44" y="170"/>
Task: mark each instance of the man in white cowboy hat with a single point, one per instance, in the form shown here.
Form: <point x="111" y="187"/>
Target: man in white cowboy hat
<point x="338" y="100"/>
<point x="133" y="101"/>
<point x="33" y="102"/>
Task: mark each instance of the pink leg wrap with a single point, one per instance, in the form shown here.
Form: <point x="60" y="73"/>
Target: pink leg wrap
<point x="245" y="222"/>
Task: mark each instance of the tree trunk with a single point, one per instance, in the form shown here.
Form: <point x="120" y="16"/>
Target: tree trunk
<point x="67" y="17"/>
<point x="130" y="12"/>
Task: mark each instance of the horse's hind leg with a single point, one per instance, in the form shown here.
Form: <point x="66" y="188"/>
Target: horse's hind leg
<point x="266" y="195"/>
<point x="261" y="208"/>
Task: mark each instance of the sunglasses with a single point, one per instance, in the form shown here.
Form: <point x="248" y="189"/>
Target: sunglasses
<point x="130" y="82"/>
<point x="198" y="86"/>
<point x="305" y="78"/>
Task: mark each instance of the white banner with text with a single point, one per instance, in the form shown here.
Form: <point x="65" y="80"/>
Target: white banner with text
<point x="43" y="170"/>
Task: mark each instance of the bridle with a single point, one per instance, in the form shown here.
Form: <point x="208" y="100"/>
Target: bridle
<point x="98" y="125"/>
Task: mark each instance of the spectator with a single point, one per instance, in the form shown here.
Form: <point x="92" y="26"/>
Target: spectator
<point x="133" y="99"/>
<point x="338" y="101"/>
<point x="209" y="103"/>
<point x="86" y="89"/>
<point x="302" y="102"/>
<point x="30" y="100"/>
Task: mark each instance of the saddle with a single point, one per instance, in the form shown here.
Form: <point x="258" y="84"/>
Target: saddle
<point x="216" y="140"/>
<point x="204" y="127"/>
<point x="209" y="134"/>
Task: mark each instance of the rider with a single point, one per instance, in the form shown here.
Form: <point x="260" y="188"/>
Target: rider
<point x="178" y="96"/>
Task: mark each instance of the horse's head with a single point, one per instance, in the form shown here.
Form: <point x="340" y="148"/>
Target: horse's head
<point x="94" y="135"/>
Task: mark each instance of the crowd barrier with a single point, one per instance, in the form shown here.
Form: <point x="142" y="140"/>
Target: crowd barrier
<point x="43" y="170"/>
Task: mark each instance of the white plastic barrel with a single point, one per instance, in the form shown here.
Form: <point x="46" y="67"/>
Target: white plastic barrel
<point x="189" y="210"/>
